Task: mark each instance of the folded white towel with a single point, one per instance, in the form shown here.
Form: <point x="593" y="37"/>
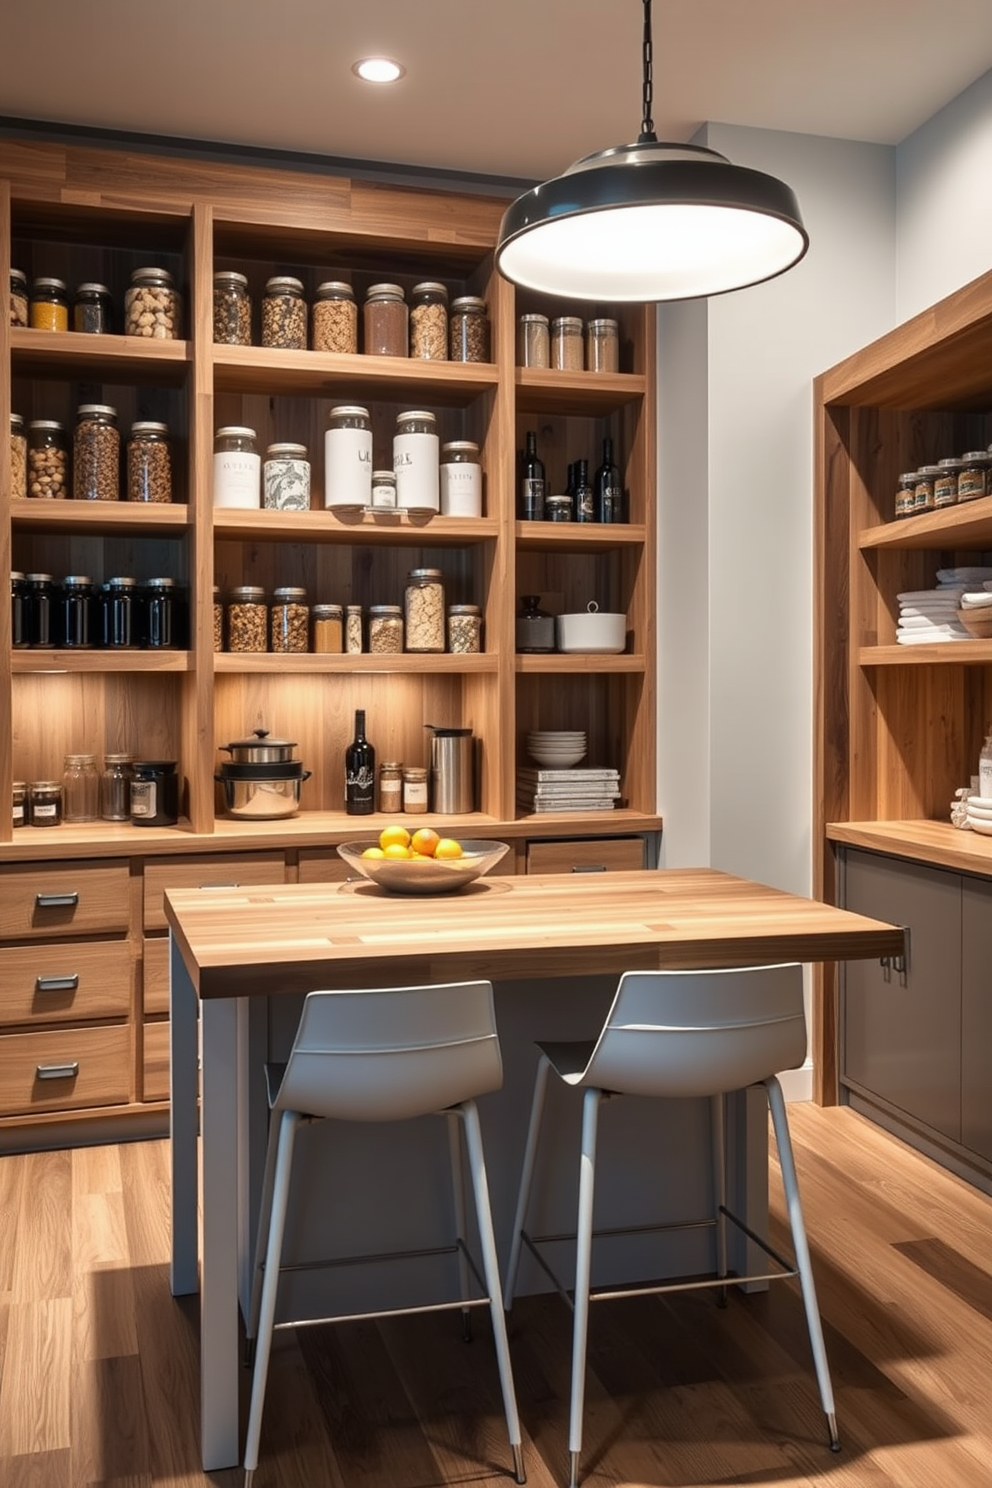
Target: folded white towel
<point x="963" y="575"/>
<point x="977" y="600"/>
<point x="930" y="606"/>
<point x="924" y="596"/>
<point x="929" y="637"/>
<point x="927" y="622"/>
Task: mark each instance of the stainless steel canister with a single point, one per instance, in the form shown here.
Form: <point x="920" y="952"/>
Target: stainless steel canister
<point x="452" y="770"/>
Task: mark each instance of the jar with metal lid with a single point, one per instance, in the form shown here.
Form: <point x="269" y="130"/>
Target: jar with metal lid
<point x="232" y="308"/>
<point x="154" y="793"/>
<point x="385" y="630"/>
<point x="49" y="308"/>
<point x="92" y="309"/>
<point x="96" y="454"/>
<point x="416" y="461"/>
<point x="353" y="639"/>
<point x="973" y="477"/>
<point x="469" y="329"/>
<point x="328" y="629"/>
<point x="945" y="484"/>
<point x="348" y="458"/>
<point x="290" y="623"/>
<point x="464" y="629"/>
<point x="533" y="341"/>
<point x="18" y="458"/>
<point x="115" y="788"/>
<point x="335" y="318"/>
<point x="162" y="629"/>
<point x="74" y="609"/>
<point x="45" y="803"/>
<point x="461" y="479"/>
<point x="385" y="321"/>
<point x="286" y="478"/>
<point x="424" y="610"/>
<point x="602" y="345"/>
<point x="118" y="603"/>
<point x="383" y="490"/>
<point x="19" y="799"/>
<point x="535" y="630"/>
<point x="566" y="344"/>
<point x="237" y="467"/>
<point x="18" y="619"/>
<point x="247" y="619"/>
<point x="923" y="492"/>
<point x="149" y="463"/>
<point x="390" y="788"/>
<point x="559" y="507"/>
<point x="152" y="307"/>
<point x="905" y="494"/>
<point x="429" y="321"/>
<point x="218" y="619"/>
<point x="48" y="460"/>
<point x="414" y="788"/>
<point x="18" y="297"/>
<point x="39" y="600"/>
<point x="80" y="788"/>
<point x="284" y="314"/>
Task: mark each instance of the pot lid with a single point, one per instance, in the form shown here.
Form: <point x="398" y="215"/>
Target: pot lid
<point x="260" y="740"/>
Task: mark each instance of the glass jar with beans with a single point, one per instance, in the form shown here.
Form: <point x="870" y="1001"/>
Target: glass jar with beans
<point x="290" y="620"/>
<point x="96" y="453"/>
<point x="284" y="314"/>
<point x="335" y="318"/>
<point x="48" y="460"/>
<point x="247" y="619"/>
<point x="232" y="309"/>
<point x="469" y="330"/>
<point x="149" y="464"/>
<point x="385" y="629"/>
<point x="18" y="458"/>
<point x="152" y="307"/>
<point x="429" y="321"/>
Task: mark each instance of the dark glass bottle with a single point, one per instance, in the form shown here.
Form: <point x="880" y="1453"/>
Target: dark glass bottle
<point x="585" y="504"/>
<point x="532" y="482"/>
<point x="608" y="488"/>
<point x="359" y="771"/>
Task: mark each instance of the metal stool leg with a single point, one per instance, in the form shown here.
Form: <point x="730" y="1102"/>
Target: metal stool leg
<point x="490" y="1263"/>
<point x="790" y="1183"/>
<point x="718" y="1116"/>
<point x="453" y="1123"/>
<point x="526" y="1176"/>
<point x="288" y="1123"/>
<point x="583" y="1270"/>
<point x="261" y="1238"/>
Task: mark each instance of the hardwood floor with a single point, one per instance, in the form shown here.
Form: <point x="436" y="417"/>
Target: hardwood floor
<point x="99" y="1381"/>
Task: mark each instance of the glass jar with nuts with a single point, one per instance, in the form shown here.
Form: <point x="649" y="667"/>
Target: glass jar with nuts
<point x="96" y="453"/>
<point x="232" y="309"/>
<point x="385" y="630"/>
<point x="152" y="307"/>
<point x="18" y="458"/>
<point x="424" y="609"/>
<point x="290" y="626"/>
<point x="149" y="464"/>
<point x="429" y="321"/>
<point x="284" y="314"/>
<point x="247" y="619"/>
<point x="464" y="629"/>
<point x="18" y="297"/>
<point x="335" y="317"/>
<point x="48" y="460"/>
<point x="469" y="329"/>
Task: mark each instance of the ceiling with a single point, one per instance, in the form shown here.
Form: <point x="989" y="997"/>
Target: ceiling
<point x="512" y="88"/>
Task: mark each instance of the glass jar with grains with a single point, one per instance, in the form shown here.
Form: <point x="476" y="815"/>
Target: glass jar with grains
<point x="566" y="344"/>
<point x="603" y="346"/>
<point x="247" y="619"/>
<point x="96" y="454"/>
<point x="328" y="629"/>
<point x="218" y="619"/>
<point x="429" y="321"/>
<point x="149" y="464"/>
<point x="464" y="629"/>
<point x="18" y="458"/>
<point x="424" y="609"/>
<point x="290" y="627"/>
<point x="385" y="630"/>
<point x="152" y="308"/>
<point x="232" y="309"/>
<point x="353" y="639"/>
<point x="533" y="341"/>
<point x="335" y="317"/>
<point x="284" y="314"/>
<point x="49" y="308"/>
<point x="385" y="321"/>
<point x="469" y="331"/>
<point x="92" y="309"/>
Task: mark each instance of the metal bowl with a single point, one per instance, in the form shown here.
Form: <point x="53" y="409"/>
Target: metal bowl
<point x="265" y="799"/>
<point x="425" y="875"/>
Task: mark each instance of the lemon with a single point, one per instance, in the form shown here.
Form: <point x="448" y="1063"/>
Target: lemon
<point x="396" y="850"/>
<point x="394" y="836"/>
<point x="448" y="848"/>
<point x="373" y="852"/>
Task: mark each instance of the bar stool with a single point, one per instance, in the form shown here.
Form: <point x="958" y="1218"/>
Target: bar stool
<point x="679" y="1034"/>
<point x="386" y="1055"/>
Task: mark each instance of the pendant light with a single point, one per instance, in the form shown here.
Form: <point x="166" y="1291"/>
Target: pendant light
<point x="651" y="221"/>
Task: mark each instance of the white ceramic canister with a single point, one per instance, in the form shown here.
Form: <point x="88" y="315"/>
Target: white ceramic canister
<point x="416" y="462"/>
<point x="348" y="458"/>
<point x="461" y="479"/>
<point x="237" y="468"/>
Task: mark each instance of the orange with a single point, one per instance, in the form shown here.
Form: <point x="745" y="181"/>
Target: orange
<point x="448" y="848"/>
<point x="394" y="836"/>
<point x="396" y="850"/>
<point x="373" y="852"/>
<point x="425" y="840"/>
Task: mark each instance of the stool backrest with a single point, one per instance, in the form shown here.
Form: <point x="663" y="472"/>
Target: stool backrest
<point x="392" y="1053"/>
<point x="684" y="1033"/>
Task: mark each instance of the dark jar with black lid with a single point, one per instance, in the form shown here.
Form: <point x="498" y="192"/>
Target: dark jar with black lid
<point x="74" y="611"/>
<point x="91" y="309"/>
<point x="117" y="618"/>
<point x="18" y="623"/>
<point x="154" y="794"/>
<point x="162" y="619"/>
<point x="38" y="594"/>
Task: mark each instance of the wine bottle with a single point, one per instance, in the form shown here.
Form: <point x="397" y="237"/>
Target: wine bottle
<point x="585" y="506"/>
<point x="608" y="488"/>
<point x="532" y="482"/>
<point x="359" y="771"/>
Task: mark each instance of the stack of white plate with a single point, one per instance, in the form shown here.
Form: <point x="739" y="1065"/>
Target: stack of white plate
<point x="557" y="749"/>
<point x="980" y="814"/>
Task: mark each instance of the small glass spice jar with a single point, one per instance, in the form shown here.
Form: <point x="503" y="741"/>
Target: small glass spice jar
<point x="18" y="297"/>
<point x="335" y="317"/>
<point x="945" y="485"/>
<point x="461" y="479"/>
<point x="973" y="477"/>
<point x="118" y="618"/>
<point x="416" y="461"/>
<point x="161" y="627"/>
<point x="424" y="610"/>
<point x="48" y="460"/>
<point x="469" y="329"/>
<point x="96" y="453"/>
<point x="905" y="494"/>
<point x="115" y="788"/>
<point x="353" y="637"/>
<point x="39" y="603"/>
<point x="286" y="478"/>
<point x="19" y="803"/>
<point x="566" y="344"/>
<point x="218" y="619"/>
<point x="559" y="508"/>
<point x="328" y="629"/>
<point x="284" y="314"/>
<point x="49" y="308"/>
<point x="74" y="606"/>
<point x="429" y="321"/>
<point x="464" y="629"/>
<point x="152" y="307"/>
<point x="237" y="467"/>
<point x="92" y="309"/>
<point x="18" y="458"/>
<point x="533" y="341"/>
<point x="80" y="788"/>
<point x="414" y="788"/>
<point x="602" y="346"/>
<point x="247" y="619"/>
<point x="385" y="630"/>
<point x="45" y="803"/>
<point x="385" y="321"/>
<point x="18" y="619"/>
<point x="348" y="458"/>
<point x="232" y="309"/>
<point x="923" y="491"/>
<point x="390" y="788"/>
<point x="149" y="463"/>
<point x="290" y="620"/>
<point x="383" y="490"/>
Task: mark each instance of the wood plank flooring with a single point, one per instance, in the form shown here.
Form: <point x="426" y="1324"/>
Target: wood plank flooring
<point x="99" y="1364"/>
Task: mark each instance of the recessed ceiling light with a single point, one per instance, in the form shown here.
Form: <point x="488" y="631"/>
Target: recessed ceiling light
<point x="378" y="70"/>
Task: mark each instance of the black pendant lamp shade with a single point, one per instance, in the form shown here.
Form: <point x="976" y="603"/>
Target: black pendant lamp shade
<point x="651" y="221"/>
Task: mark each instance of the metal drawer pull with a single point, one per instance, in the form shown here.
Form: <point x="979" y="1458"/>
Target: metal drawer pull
<point x="57" y="983"/>
<point x="221" y="885"/>
<point x="58" y="1071"/>
<point x="589" y="868"/>
<point x="57" y="901"/>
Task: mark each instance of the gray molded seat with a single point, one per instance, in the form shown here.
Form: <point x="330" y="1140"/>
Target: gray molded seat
<point x="679" y="1034"/>
<point x="385" y="1055"/>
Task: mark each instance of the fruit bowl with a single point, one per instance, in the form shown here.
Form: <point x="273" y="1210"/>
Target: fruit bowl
<point x="425" y="875"/>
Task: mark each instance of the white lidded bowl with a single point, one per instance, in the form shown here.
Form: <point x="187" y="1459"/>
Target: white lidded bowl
<point x="592" y="630"/>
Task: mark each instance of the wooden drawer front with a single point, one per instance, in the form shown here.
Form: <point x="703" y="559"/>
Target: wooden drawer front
<point x="155" y="975"/>
<point x="155" y="1078"/>
<point x="65" y="983"/>
<point x="201" y="872"/>
<point x="64" y="1070"/>
<point x="63" y="899"/>
<point x="318" y="865"/>
<point x="590" y="855"/>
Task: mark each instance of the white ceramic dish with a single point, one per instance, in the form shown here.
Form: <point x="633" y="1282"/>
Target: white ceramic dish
<point x="594" y="631"/>
<point x="980" y="824"/>
<point x="557" y="761"/>
<point x="980" y="803"/>
<point x="425" y="875"/>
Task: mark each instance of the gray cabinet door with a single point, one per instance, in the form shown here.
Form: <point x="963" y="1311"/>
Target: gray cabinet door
<point x="902" y="1034"/>
<point x="976" y="1016"/>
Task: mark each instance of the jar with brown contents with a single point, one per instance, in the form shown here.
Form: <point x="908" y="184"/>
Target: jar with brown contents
<point x="232" y="309"/>
<point x="18" y="458"/>
<point x="533" y="341"/>
<point x="152" y="307"/>
<point x="469" y="330"/>
<point x="429" y="322"/>
<point x="48" y="460"/>
<point x="328" y="629"/>
<point x="335" y="318"/>
<point x="385" y="630"/>
<point x="149" y="465"/>
<point x="284" y="314"/>
<point x="290" y="628"/>
<point x="603" y="346"/>
<point x="218" y="620"/>
<point x="566" y="344"/>
<point x="424" y="604"/>
<point x="464" y="629"/>
<point x="247" y="619"/>
<point x="18" y="297"/>
<point x="386" y="321"/>
<point x="96" y="454"/>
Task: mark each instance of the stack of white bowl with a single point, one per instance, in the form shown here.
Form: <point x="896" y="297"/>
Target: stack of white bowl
<point x="980" y="814"/>
<point x="557" y="749"/>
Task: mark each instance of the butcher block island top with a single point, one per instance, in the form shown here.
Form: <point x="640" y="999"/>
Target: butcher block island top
<point x="234" y="940"/>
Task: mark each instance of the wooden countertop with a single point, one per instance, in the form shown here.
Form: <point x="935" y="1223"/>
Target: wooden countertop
<point x="295" y="937"/>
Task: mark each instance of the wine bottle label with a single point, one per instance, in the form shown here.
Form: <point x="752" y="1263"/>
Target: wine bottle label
<point x="584" y="508"/>
<point x="532" y="500"/>
<point x="611" y="504"/>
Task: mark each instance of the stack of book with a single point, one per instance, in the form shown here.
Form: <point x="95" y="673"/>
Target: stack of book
<point x="568" y="790"/>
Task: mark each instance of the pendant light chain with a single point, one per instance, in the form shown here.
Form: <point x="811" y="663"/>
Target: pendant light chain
<point x="647" y="134"/>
